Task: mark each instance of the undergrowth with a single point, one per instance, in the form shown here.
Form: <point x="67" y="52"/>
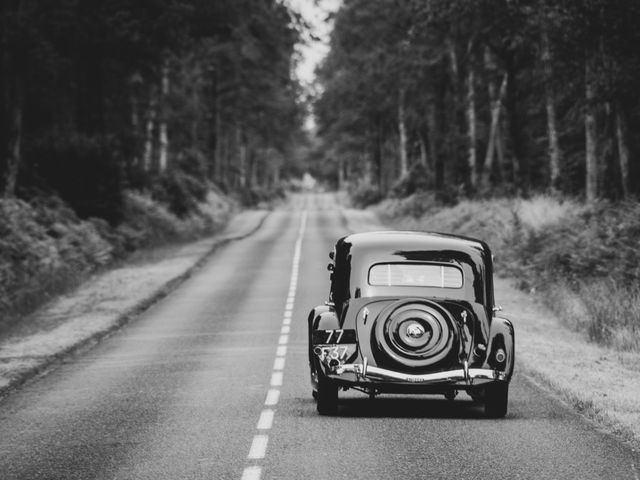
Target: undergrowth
<point x="584" y="261"/>
<point x="45" y="248"/>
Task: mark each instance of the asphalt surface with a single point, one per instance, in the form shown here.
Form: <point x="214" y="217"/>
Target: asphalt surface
<point x="212" y="382"/>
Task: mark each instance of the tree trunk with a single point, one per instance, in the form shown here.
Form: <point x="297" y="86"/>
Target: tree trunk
<point x="215" y="133"/>
<point x="591" y="158"/>
<point x="218" y="161"/>
<point x="404" y="168"/>
<point x="148" y="154"/>
<point x="441" y="116"/>
<point x="163" y="154"/>
<point x="13" y="82"/>
<point x="471" y="128"/>
<point x="135" y="127"/>
<point x="496" y="97"/>
<point x="377" y="156"/>
<point x="494" y="144"/>
<point x="253" y="167"/>
<point x="242" y="156"/>
<point x="519" y="169"/>
<point x="623" y="148"/>
<point x="456" y="112"/>
<point x="552" y="129"/>
<point x="500" y="151"/>
<point x="424" y="156"/>
<point x="275" y="179"/>
<point x="14" y="150"/>
<point x="434" y="158"/>
<point x="224" y="141"/>
<point x="453" y="64"/>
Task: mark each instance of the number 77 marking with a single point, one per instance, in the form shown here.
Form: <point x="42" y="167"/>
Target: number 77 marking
<point x="331" y="332"/>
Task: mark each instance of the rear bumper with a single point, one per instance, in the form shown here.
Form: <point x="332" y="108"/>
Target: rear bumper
<point x="462" y="377"/>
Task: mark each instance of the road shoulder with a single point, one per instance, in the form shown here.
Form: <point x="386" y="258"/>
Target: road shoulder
<point x="106" y="302"/>
<point x="600" y="383"/>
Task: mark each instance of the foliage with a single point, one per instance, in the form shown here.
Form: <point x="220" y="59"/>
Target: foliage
<point x="100" y="98"/>
<point x="184" y="185"/>
<point x="45" y="248"/>
<point x="413" y="206"/>
<point x="415" y="181"/>
<point x="362" y="195"/>
<point x="490" y="96"/>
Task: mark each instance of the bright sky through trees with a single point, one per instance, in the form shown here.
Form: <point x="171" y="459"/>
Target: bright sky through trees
<point x="315" y="47"/>
<point x="316" y="42"/>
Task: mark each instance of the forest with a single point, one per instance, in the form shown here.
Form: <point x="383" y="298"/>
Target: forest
<point x="475" y="98"/>
<point x="125" y="123"/>
<point x="139" y="94"/>
<point x="513" y="121"/>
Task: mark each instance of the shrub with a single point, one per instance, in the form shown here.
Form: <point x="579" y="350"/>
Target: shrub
<point x="44" y="247"/>
<point x="184" y="185"/>
<point x="364" y="194"/>
<point x="414" y="206"/>
<point x="416" y="181"/>
<point x="150" y="223"/>
<point x="614" y="313"/>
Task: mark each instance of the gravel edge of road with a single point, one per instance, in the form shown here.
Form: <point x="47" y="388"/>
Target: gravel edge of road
<point x="591" y="396"/>
<point x="43" y="364"/>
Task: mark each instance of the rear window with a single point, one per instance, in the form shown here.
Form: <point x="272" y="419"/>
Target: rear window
<point x="415" y="275"/>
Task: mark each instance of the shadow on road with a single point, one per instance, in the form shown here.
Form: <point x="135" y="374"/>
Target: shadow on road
<point x="410" y="407"/>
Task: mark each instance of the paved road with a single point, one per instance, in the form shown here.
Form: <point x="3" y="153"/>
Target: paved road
<point x="212" y="383"/>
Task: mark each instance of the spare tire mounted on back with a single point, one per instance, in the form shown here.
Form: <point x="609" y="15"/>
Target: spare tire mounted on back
<point x="414" y="333"/>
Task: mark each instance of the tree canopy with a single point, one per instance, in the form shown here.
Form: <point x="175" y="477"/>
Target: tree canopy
<point x="161" y="95"/>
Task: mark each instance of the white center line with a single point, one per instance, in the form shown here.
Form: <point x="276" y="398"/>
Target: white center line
<point x="252" y="473"/>
<point x="276" y="379"/>
<point x="273" y="395"/>
<point x="258" y="448"/>
<point x="266" y="420"/>
<point x="278" y="363"/>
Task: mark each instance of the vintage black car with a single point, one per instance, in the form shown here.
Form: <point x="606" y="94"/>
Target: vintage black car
<point x="411" y="312"/>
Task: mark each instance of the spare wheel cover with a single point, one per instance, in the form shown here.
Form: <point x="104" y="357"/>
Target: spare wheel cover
<point x="414" y="333"/>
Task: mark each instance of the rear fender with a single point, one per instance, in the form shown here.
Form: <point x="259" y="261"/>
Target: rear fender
<point x="327" y="320"/>
<point x="501" y="336"/>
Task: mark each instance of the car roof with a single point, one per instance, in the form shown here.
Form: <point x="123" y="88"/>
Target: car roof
<point x="357" y="252"/>
<point x="391" y="240"/>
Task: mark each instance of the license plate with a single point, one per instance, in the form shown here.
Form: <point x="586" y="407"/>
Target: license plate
<point x="333" y="337"/>
<point x="341" y="353"/>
